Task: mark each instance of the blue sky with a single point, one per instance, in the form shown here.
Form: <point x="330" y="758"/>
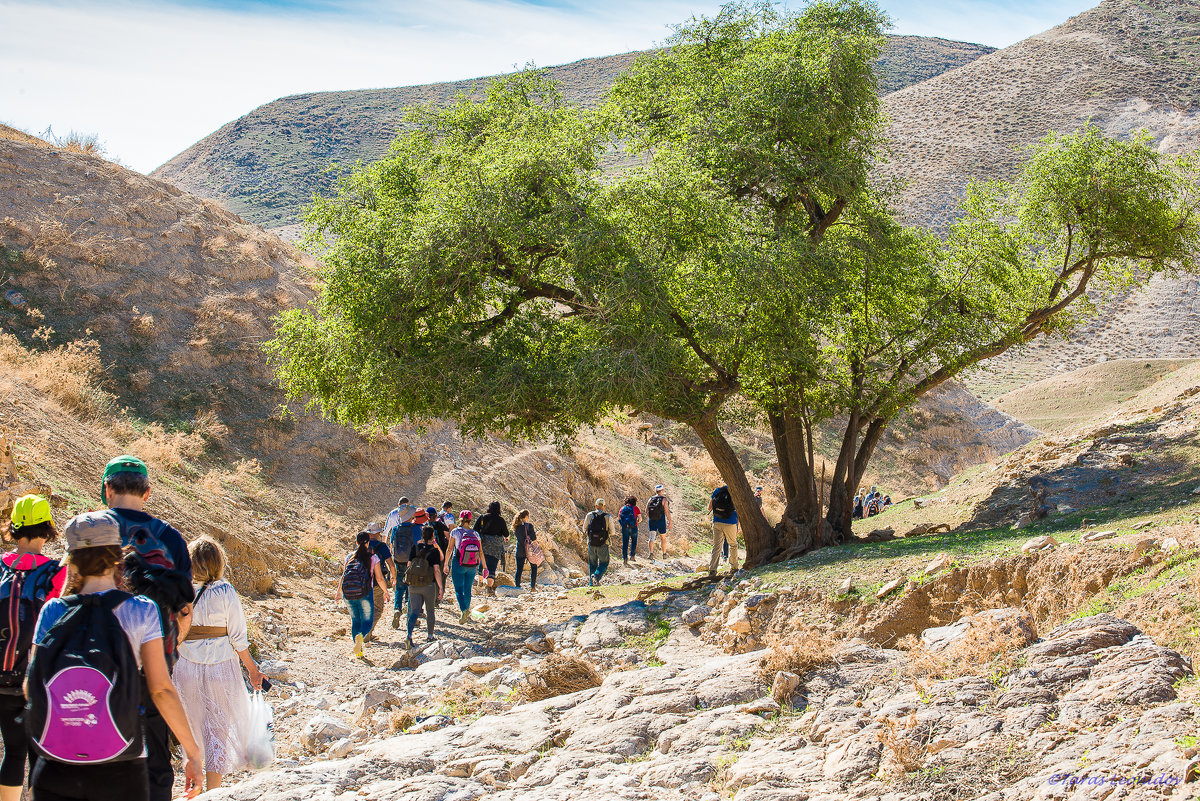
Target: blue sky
<point x="151" y="78"/>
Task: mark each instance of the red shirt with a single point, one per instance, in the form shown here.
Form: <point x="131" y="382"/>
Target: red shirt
<point x="28" y="561"/>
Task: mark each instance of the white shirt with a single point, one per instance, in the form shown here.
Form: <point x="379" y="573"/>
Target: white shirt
<point x="218" y="606"/>
<point x="138" y="618"/>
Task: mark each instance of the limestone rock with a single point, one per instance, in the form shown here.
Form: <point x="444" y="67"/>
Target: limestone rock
<point x="939" y="562"/>
<point x="1084" y="635"/>
<point x="922" y="529"/>
<point x="431" y="723"/>
<point x="1035" y="544"/>
<point x="882" y="535"/>
<point x="321" y="730"/>
<point x="480" y="665"/>
<point x="1094" y="536"/>
<point x="538" y="643"/>
<point x="1015" y="627"/>
<point x="340" y="748"/>
<point x="890" y="587"/>
<point x="738" y="620"/>
<point x="846" y="587"/>
<point x="694" y="616"/>
<point x="274" y="669"/>
<point x="1143" y="545"/>
<point x="377" y="696"/>
<point x="758" y="599"/>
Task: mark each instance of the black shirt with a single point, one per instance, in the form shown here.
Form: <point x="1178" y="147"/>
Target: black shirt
<point x="430" y="552"/>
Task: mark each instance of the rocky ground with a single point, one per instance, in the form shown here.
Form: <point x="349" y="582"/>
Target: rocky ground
<point x="692" y="705"/>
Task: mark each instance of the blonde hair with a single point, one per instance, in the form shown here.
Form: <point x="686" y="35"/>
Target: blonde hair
<point x="208" y="560"/>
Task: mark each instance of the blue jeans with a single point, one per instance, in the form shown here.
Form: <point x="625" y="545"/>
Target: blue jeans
<point x="597" y="561"/>
<point x="463" y="579"/>
<point x="628" y="542"/>
<point x="361" y="613"/>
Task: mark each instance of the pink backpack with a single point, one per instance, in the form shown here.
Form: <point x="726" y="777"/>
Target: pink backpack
<point x="470" y="549"/>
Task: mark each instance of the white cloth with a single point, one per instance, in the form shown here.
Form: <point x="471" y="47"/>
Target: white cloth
<point x="218" y="606"/>
<point x="138" y="618"/>
<point x="218" y="710"/>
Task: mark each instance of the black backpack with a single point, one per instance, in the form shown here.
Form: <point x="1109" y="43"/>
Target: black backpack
<point x="85" y="687"/>
<point x="22" y="595"/>
<point x="722" y="503"/>
<point x="420" y="568"/>
<point x="597" y="530"/>
<point x="356" y="579"/>
<point x="655" y="508"/>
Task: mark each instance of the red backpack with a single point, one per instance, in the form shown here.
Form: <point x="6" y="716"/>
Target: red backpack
<point x="470" y="549"/>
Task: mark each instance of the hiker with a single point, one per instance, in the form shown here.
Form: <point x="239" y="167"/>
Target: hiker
<point x="398" y="528"/>
<point x="27" y="580"/>
<point x="464" y="563"/>
<point x="441" y="532"/>
<point x="857" y="514"/>
<point x="98" y="638"/>
<point x="525" y="535"/>
<point x="493" y="531"/>
<point x="424" y="580"/>
<point x="447" y="516"/>
<point x="658" y="520"/>
<point x="387" y="566"/>
<point x="725" y="528"/>
<point x="355" y="588"/>
<point x="629" y="517"/>
<point x="208" y="675"/>
<point x="598" y="527"/>
<point x="873" y="504"/>
<point x="758" y="496"/>
<point x="157" y="566"/>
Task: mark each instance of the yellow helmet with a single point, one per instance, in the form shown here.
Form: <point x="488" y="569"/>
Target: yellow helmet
<point x="29" y="510"/>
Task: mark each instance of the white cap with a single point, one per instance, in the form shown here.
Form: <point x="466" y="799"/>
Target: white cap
<point x="658" y="487"/>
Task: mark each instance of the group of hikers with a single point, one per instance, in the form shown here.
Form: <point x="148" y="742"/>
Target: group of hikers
<point x="869" y="504"/>
<point x="133" y="638"/>
<point x="415" y="550"/>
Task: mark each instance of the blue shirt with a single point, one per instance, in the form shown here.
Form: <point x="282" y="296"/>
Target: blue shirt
<point x="731" y="520"/>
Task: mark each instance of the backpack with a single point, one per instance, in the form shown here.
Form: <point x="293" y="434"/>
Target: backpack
<point x="470" y="548"/>
<point x="356" y="579"/>
<point x="22" y="595"/>
<point x="627" y="517"/>
<point x="85" y="706"/>
<point x="656" y="508"/>
<point x="722" y="503"/>
<point x="420" y="567"/>
<point x="597" y="530"/>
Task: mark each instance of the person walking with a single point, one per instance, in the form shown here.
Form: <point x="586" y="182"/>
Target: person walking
<point x="525" y="535"/>
<point x="387" y="566"/>
<point x="355" y="588"/>
<point x="447" y="515"/>
<point x="464" y="563"/>
<point x="725" y="529"/>
<point x="27" y="580"/>
<point x="424" y="580"/>
<point x="658" y="520"/>
<point x="398" y="533"/>
<point x="68" y="632"/>
<point x="157" y="566"/>
<point x="208" y="675"/>
<point x="493" y="531"/>
<point x="598" y="527"/>
<point x="441" y="532"/>
<point x="629" y="517"/>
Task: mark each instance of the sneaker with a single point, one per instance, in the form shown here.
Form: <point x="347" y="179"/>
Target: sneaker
<point x="625" y="562"/>
<point x="358" y="645"/>
<point x="633" y="559"/>
<point x="591" y="581"/>
<point x="396" y="619"/>
<point x="408" y="643"/>
<point x="465" y="616"/>
<point x="368" y="637"/>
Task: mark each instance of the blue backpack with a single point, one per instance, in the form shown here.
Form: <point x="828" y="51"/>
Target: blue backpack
<point x="627" y="517"/>
<point x="22" y="595"/>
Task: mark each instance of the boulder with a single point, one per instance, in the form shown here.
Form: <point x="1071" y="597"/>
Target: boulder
<point x="694" y="616"/>
<point x="846" y="587"/>
<point x="1006" y="626"/>
<point x="377" y="696"/>
<point x="538" y="643"/>
<point x="1035" y="544"/>
<point x="341" y="748"/>
<point x="939" y="562"/>
<point x="758" y="599"/>
<point x="739" y="620"/>
<point x="882" y="535"/>
<point x="921" y="529"/>
<point x="431" y="723"/>
<point x="1170" y="544"/>
<point x="891" y="586"/>
<point x="1084" y="635"/>
<point x="784" y="686"/>
<point x="322" y="730"/>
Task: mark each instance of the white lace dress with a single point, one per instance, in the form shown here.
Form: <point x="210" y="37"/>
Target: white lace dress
<point x="209" y="679"/>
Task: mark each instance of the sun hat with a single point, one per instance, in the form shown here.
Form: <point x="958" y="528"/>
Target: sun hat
<point x="429" y="510"/>
<point x="121" y="464"/>
<point x="29" y="510"/>
<point x="658" y="487"/>
<point x="420" y="518"/>
<point x="92" y="530"/>
<point x="599" y="502"/>
<point x="374" y="527"/>
<point x="465" y="514"/>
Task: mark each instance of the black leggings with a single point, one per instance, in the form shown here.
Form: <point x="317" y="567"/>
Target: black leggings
<point x="492" y="562"/>
<point x="110" y="781"/>
<point x="532" y="571"/>
<point x="16" y="745"/>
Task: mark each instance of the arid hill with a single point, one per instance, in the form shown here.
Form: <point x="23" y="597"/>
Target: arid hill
<point x="267" y="164"/>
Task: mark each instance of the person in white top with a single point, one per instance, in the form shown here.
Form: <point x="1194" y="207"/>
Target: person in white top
<point x="208" y="675"/>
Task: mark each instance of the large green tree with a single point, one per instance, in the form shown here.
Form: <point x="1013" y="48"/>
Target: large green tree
<point x="488" y="271"/>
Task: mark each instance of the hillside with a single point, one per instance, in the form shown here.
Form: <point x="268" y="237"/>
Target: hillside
<point x="1126" y="65"/>
<point x="267" y="164"/>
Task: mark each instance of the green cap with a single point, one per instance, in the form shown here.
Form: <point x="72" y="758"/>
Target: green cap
<point x="122" y="464"/>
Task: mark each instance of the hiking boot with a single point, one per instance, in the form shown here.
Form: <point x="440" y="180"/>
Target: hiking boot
<point x="408" y="643"/>
<point x="396" y="619"/>
<point x="625" y="562"/>
<point x="368" y="637"/>
<point x="465" y="616"/>
<point x="358" y="645"/>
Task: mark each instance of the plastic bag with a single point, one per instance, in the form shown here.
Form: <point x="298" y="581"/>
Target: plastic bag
<point x="260" y="738"/>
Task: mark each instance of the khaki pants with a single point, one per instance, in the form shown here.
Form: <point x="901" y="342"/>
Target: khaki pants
<point x="380" y="603"/>
<point x="724" y="533"/>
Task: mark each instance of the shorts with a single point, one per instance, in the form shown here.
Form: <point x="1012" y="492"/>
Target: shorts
<point x="657" y="527"/>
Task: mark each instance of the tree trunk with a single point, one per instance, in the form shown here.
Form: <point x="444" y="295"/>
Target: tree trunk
<point x="856" y="456"/>
<point x="761" y="542"/>
<point x="799" y="530"/>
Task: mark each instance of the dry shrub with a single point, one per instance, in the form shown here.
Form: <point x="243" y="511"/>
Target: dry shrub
<point x="209" y="426"/>
<point x="167" y="450"/>
<point x="67" y="373"/>
<point x="559" y="674"/>
<point x="902" y="755"/>
<point x="801" y="653"/>
<point x="988" y="648"/>
<point x="401" y="720"/>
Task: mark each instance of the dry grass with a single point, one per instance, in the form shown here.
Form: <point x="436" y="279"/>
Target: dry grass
<point x="987" y="649"/>
<point x="67" y="373"/>
<point x="801" y="654"/>
<point x="167" y="450"/>
<point x="558" y="674"/>
<point x="902" y="753"/>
